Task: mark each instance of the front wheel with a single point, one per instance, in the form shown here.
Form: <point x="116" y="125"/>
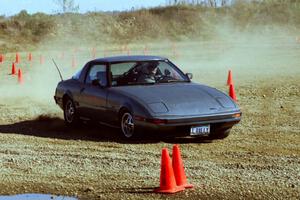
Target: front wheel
<point x="127" y="125"/>
<point x="70" y="115"/>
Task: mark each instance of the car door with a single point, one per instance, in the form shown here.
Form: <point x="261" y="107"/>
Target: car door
<point x="93" y="94"/>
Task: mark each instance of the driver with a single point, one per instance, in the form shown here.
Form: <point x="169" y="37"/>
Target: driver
<point x="148" y="73"/>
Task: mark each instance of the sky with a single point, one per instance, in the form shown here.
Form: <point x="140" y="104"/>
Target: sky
<point x="11" y="7"/>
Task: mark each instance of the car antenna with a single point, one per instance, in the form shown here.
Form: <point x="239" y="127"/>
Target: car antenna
<point x="57" y="69"/>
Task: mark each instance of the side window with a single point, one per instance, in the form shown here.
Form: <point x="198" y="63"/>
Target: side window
<point x="97" y="72"/>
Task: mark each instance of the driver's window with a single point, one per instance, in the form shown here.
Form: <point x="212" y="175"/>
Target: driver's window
<point x="97" y="72"/>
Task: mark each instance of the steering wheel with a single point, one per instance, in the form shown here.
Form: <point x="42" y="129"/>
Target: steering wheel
<point x="163" y="78"/>
<point x="158" y="77"/>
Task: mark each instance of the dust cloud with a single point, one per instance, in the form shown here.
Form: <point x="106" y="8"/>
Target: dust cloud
<point x="253" y="56"/>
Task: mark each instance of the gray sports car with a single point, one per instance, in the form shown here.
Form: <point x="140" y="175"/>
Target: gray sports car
<point x="137" y="93"/>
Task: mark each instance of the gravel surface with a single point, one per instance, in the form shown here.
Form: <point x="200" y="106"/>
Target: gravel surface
<point x="259" y="160"/>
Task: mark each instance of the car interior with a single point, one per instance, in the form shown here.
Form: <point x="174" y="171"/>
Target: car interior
<point x="130" y="77"/>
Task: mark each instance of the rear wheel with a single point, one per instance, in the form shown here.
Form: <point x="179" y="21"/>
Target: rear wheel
<point x="127" y="125"/>
<point x="70" y="115"/>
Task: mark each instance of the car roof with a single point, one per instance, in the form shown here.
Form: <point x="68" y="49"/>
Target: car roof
<point x="135" y="58"/>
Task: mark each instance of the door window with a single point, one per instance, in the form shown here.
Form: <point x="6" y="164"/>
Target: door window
<point x="97" y="72"/>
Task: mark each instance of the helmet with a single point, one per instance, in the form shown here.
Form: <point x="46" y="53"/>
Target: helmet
<point x="152" y="65"/>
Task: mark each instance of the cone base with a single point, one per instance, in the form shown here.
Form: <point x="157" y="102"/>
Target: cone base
<point x="169" y="191"/>
<point x="188" y="186"/>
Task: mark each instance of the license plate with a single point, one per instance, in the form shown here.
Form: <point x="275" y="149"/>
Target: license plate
<point x="200" y="130"/>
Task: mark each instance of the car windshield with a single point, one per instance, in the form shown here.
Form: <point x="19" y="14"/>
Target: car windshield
<point x="145" y="72"/>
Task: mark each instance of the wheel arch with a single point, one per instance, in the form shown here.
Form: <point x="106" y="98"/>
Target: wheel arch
<point x="67" y="95"/>
<point x="122" y="110"/>
<point x="135" y="108"/>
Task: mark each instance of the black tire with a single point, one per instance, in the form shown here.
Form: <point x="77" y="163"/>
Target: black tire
<point x="220" y="134"/>
<point x="70" y="116"/>
<point x="127" y="125"/>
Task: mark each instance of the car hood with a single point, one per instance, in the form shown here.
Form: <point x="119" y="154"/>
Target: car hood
<point x="181" y="99"/>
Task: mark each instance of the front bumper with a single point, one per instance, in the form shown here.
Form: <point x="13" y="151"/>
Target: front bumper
<point x="216" y="122"/>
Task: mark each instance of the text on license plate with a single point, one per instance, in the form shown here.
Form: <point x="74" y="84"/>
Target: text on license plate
<point x="200" y="130"/>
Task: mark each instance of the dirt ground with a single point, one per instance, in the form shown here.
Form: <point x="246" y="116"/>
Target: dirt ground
<point x="259" y="160"/>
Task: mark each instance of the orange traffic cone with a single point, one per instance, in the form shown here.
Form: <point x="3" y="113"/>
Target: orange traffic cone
<point x="20" y="77"/>
<point x="76" y="50"/>
<point x="17" y="58"/>
<point x="122" y="49"/>
<point x="1" y="58"/>
<point x="229" y="79"/>
<point x="232" y="92"/>
<point x="94" y="52"/>
<point x="179" y="169"/>
<point x="13" y="69"/>
<point x="29" y="57"/>
<point x="167" y="178"/>
<point x="127" y="50"/>
<point x="145" y="50"/>
<point x="42" y="60"/>
<point x="62" y="55"/>
<point x="175" y="50"/>
<point x="173" y="47"/>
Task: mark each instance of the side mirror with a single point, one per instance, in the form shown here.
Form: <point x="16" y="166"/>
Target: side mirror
<point x="189" y="75"/>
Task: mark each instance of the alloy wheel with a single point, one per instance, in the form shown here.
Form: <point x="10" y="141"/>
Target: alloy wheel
<point x="69" y="111"/>
<point x="127" y="125"/>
